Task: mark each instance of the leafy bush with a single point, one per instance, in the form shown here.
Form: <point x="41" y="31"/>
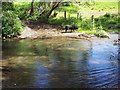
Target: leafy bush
<point x="111" y="21"/>
<point x="11" y="24"/>
<point x="22" y="9"/>
<point x="7" y="6"/>
<point x="107" y="22"/>
<point x="86" y="25"/>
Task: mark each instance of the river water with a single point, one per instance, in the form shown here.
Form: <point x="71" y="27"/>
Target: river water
<point x="60" y="63"/>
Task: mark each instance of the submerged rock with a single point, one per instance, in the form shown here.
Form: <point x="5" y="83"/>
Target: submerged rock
<point x="116" y="42"/>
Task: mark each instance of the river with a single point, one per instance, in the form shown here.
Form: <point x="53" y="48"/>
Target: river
<point x="60" y="63"/>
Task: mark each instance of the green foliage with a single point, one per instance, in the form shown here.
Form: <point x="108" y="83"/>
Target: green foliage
<point x="7" y="6"/>
<point x="71" y="8"/>
<point x="111" y="21"/>
<point x="98" y="33"/>
<point x="82" y="24"/>
<point x="86" y="24"/>
<point x="33" y="17"/>
<point x="70" y="21"/>
<point x="101" y="33"/>
<point x="22" y="9"/>
<point x="106" y="6"/>
<point x="43" y="18"/>
<point x="90" y="31"/>
<point x="107" y="15"/>
<point x="66" y="4"/>
<point x="107" y="21"/>
<point x="15" y="10"/>
<point x="11" y="24"/>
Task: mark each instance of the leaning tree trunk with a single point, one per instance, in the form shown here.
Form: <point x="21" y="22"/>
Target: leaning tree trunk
<point x="53" y="8"/>
<point x="32" y="8"/>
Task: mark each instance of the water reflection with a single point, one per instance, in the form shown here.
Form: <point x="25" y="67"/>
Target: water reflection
<point x="119" y="66"/>
<point x="60" y="63"/>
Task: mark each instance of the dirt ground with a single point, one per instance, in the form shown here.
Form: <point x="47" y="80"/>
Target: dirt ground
<point x="35" y="29"/>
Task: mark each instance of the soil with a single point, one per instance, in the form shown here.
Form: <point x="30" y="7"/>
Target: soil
<point x="35" y="29"/>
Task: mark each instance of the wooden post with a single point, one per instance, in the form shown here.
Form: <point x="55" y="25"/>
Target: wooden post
<point x="77" y="15"/>
<point x="92" y="21"/>
<point x="65" y="15"/>
<point x="69" y="18"/>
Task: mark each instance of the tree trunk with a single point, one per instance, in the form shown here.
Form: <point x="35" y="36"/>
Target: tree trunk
<point x="119" y="8"/>
<point x="32" y="8"/>
<point x="53" y="7"/>
<point x="65" y="15"/>
<point x="92" y="21"/>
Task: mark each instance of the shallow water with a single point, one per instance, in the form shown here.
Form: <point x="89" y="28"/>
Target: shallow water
<point x="60" y="63"/>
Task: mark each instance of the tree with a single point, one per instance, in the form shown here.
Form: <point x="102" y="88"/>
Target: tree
<point x="119" y="21"/>
<point x="32" y="8"/>
<point x="48" y="8"/>
<point x="54" y="6"/>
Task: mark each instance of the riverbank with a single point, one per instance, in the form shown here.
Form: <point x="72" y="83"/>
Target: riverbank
<point x="35" y="29"/>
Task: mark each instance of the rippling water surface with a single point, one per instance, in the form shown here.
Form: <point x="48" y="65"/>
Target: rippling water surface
<point x="60" y="63"/>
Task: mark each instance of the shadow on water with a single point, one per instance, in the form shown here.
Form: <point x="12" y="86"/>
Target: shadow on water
<point x="60" y="63"/>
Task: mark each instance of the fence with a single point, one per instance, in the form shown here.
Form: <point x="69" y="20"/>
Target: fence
<point x="77" y="17"/>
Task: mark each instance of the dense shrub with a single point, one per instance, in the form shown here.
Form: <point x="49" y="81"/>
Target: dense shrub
<point x="22" y="9"/>
<point x="11" y="24"/>
<point x="7" y="6"/>
<point x="107" y="21"/>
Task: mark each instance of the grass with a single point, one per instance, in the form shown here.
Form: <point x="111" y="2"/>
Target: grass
<point x="87" y="9"/>
<point x="106" y="6"/>
<point x="98" y="33"/>
<point x="101" y="33"/>
<point x="102" y="24"/>
<point x="62" y="22"/>
<point x="70" y="9"/>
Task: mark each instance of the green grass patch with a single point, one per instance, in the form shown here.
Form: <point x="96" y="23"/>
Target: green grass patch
<point x="98" y="33"/>
<point x="106" y="6"/>
<point x="73" y="8"/>
<point x="101" y="33"/>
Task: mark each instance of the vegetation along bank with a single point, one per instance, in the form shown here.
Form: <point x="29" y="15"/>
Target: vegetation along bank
<point x="46" y="19"/>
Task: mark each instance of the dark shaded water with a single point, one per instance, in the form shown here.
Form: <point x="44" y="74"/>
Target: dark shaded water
<point x="60" y="63"/>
